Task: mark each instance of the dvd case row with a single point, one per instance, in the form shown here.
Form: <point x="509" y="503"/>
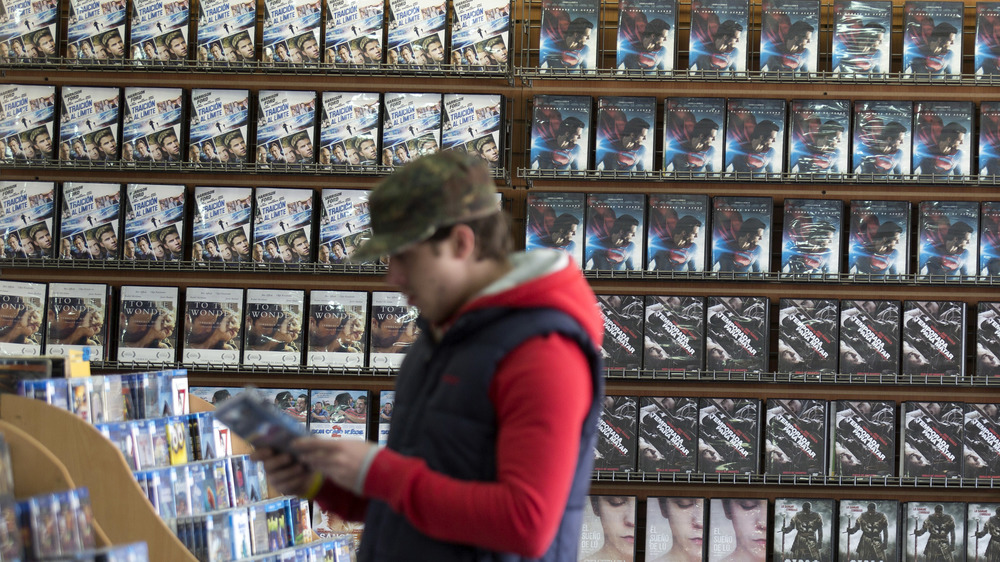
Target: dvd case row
<point x="203" y="487"/>
<point x="55" y="525"/>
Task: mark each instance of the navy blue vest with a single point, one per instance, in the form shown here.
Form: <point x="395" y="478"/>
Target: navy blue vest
<point x="443" y="415"/>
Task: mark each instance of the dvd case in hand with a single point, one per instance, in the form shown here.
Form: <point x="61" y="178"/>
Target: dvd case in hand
<point x="942" y="138"/>
<point x="624" y="133"/>
<point x="803" y="529"/>
<point x="615" y="232"/>
<point x="286" y="127"/>
<point x="158" y="32"/>
<point x="931" y="439"/>
<point x="623" y="315"/>
<point x="795" y="437"/>
<point x="729" y="435"/>
<point x="27" y="220"/>
<point x="807" y="336"/>
<point x="284" y="221"/>
<point x="354" y="32"/>
<point x="869" y="337"/>
<point x="88" y="127"/>
<point x="339" y="414"/>
<point x="154" y="222"/>
<point x="221" y="217"/>
<point x="291" y="32"/>
<point x="789" y="39"/>
<point x="934" y="338"/>
<point x="226" y="32"/>
<point x="560" y="133"/>
<point x="411" y="127"/>
<point x="22" y="307"/>
<point x="932" y="38"/>
<point x="393" y="329"/>
<point x="480" y="33"/>
<point x="668" y="434"/>
<point x="338" y="334"/>
<point x="152" y="124"/>
<point x="738" y="529"/>
<point x="273" y="328"/>
<point x="861" y="30"/>
<point x="818" y="137"/>
<point x="862" y="438"/>
<point x="213" y="326"/>
<point x="555" y="220"/>
<point x="218" y="125"/>
<point x="474" y="124"/>
<point x="147" y="321"/>
<point x="987" y="57"/>
<point x="417" y="33"/>
<point x="981" y="453"/>
<point x="349" y="129"/>
<point x="878" y="241"/>
<point x="77" y="319"/>
<point x="690" y="514"/>
<point x="260" y="421"/>
<point x="736" y="334"/>
<point x="674" y="333"/>
<point x="811" y="237"/>
<point x="868" y="530"/>
<point x="755" y="135"/>
<point x="31" y="31"/>
<point x="387" y="401"/>
<point x="344" y="223"/>
<point x="647" y="37"/>
<point x="718" y="40"/>
<point x="617" y="439"/>
<point x="693" y="139"/>
<point x="678" y="231"/>
<point x="96" y="30"/>
<point x="988" y="339"/>
<point x="567" y="40"/>
<point x="934" y="530"/>
<point x="90" y="220"/>
<point x="947" y="239"/>
<point x="741" y="234"/>
<point x="882" y="133"/>
<point x="27" y="122"/>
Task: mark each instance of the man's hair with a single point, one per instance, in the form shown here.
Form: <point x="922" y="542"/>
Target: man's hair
<point x="164" y="135"/>
<point x="952" y="130"/>
<point x="942" y="31"/>
<point x="33" y="135"/>
<point x="635" y="126"/>
<point x="563" y="222"/>
<point x="958" y="230"/>
<point x="887" y="229"/>
<point x="490" y="43"/>
<point x="302" y="40"/>
<point x="299" y="136"/>
<point x="101" y="134"/>
<point x="364" y="42"/>
<point x="893" y="129"/>
<point x="704" y="127"/>
<point x="106" y="38"/>
<point x="830" y="127"/>
<point x="750" y="226"/>
<point x="78" y="236"/>
<point x="687" y="223"/>
<point x="579" y="26"/>
<point x="569" y="125"/>
<point x="275" y="144"/>
<point x="656" y="28"/>
<point x="338" y="243"/>
<point x="479" y="144"/>
<point x="235" y="135"/>
<point x="37" y="228"/>
<point x="171" y="36"/>
<point x="624" y="222"/>
<point x="102" y="230"/>
<point x="234" y="235"/>
<point x="430" y="41"/>
<point x="162" y="235"/>
<point x="728" y="28"/>
<point x="799" y="29"/>
<point x="493" y="239"/>
<point x="764" y="128"/>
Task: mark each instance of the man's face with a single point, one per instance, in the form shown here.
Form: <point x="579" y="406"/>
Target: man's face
<point x="942" y="44"/>
<point x="569" y="140"/>
<point x="429" y="280"/>
<point x="311" y="49"/>
<point x="144" y="245"/>
<point x="109" y="241"/>
<point x="92" y="152"/>
<point x="156" y="152"/>
<point x="763" y="143"/>
<point x="245" y="48"/>
<point x="683" y="239"/>
<point x="490" y="152"/>
<point x="726" y="43"/>
<point x="564" y="236"/>
<point x="93" y="247"/>
<point x="241" y="245"/>
<point x="703" y="142"/>
<point x="888" y="243"/>
<point x="751" y="240"/>
<point x="64" y="321"/>
<point x="79" y="243"/>
<point x="150" y="50"/>
<point x="499" y="53"/>
<point x="43" y="239"/>
<point x="368" y="150"/>
<point x="322" y="332"/>
<point x="304" y="148"/>
<point x="171" y="146"/>
<point x="798" y="44"/>
<point x="876" y="42"/>
<point x="957" y="244"/>
<point x="652" y="42"/>
<point x="301" y="246"/>
<point x="173" y="242"/>
<point x="353" y="157"/>
<point x="275" y="151"/>
<point x="116" y="46"/>
<point x="108" y="145"/>
<point x="338" y="251"/>
<point x="158" y="250"/>
<point x="338" y="153"/>
<point x="634" y="141"/>
<point x="625" y="237"/>
<point x="951" y="144"/>
<point x="238" y="146"/>
<point x="577" y="41"/>
<point x="894" y="143"/>
<point x="225" y="252"/>
<point x="47" y="45"/>
<point x="43" y="141"/>
<point x="436" y="51"/>
<point x="373" y="51"/>
<point x="286" y="253"/>
<point x="178" y="46"/>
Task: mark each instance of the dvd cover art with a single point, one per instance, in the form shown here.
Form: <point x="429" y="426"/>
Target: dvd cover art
<point x="934" y="530"/>
<point x="387" y="401"/>
<point x="931" y="437"/>
<point x="90" y="220"/>
<point x="647" y="37"/>
<point x="861" y="30"/>
<point x="473" y="124"/>
<point x="88" y="127"/>
<point x="981" y="453"/>
<point x="818" y="137"/>
<point x="718" y="41"/>
<point x="27" y="220"/>
<point x="668" y="433"/>
<point x="755" y="131"/>
<point x="147" y="320"/>
<point x="882" y="138"/>
<point x="948" y="239"/>
<point x="675" y="528"/>
<point x="674" y="336"/>
<point x="803" y="529"/>
<point x="393" y="329"/>
<point x="417" y="33"/>
<point x="77" y="319"/>
<point x="811" y="236"/>
<point x="677" y="232"/>
<point x="878" y="238"/>
<point x="987" y="56"/>
<point x="96" y="30"/>
<point x="554" y="221"/>
<point x="989" y="135"/>
<point x="736" y="334"/>
<point x="344" y="222"/>
<point x="292" y="401"/>
<point x="868" y="530"/>
<point x="942" y="134"/>
<point x="21" y="314"/>
<point x="29" y="31"/>
<point x="604" y="519"/>
<point x="932" y="38"/>
<point x="480" y="33"/>
<point x="615" y="232"/>
<point x="226" y="32"/>
<point x="338" y="334"/>
<point x="616" y="435"/>
<point x="624" y="139"/>
<point x="567" y="40"/>
<point x="213" y="326"/>
<point x="989" y="243"/>
<point x="789" y="40"/>
<point x="154" y="222"/>
<point x="221" y="221"/>
<point x="741" y="234"/>
<point x="159" y="31"/>
<point x="284" y="221"/>
<point x="291" y="32"/>
<point x="339" y="414"/>
<point x="988" y="339"/>
<point x="982" y="523"/>
<point x="795" y="437"/>
<point x="152" y="124"/>
<point x="934" y="338"/>
<point x="349" y="129"/>
<point x="411" y="127"/>
<point x="218" y="126"/>
<point x="862" y="438"/>
<point x="728" y="435"/>
<point x="807" y="336"/>
<point x="693" y="135"/>
<point x="738" y="529"/>
<point x="286" y="127"/>
<point x="354" y="32"/>
<point x="27" y="118"/>
<point x="623" y="316"/>
<point x="869" y="337"/>
<point x="560" y="133"/>
<point x="273" y="327"/>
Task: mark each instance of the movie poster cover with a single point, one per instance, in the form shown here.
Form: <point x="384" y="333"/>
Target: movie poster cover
<point x="154" y="222"/>
<point x="861" y="30"/>
<point x="982" y="447"/>
<point x="88" y="126"/>
<point x="803" y="529"/>
<point x="567" y="42"/>
<point x="213" y="326"/>
<point x="989" y="136"/>
<point x="27" y="119"/>
<point x="988" y="339"/>
<point x="789" y="40"/>
<point x="622" y="331"/>
<point x="729" y="435"/>
<point x="153" y="124"/>
<point x="678" y="232"/>
<point x="736" y="334"/>
<point x="878" y="240"/>
<point x="647" y="37"/>
<point x="474" y="124"/>
<point x="862" y="438"/>
<point x="27" y="220"/>
<point x="718" y="42"/>
<point x="480" y="34"/>
<point x="807" y="336"/>
<point x="147" y="321"/>
<point x="338" y="329"/>
<point x="286" y="127"/>
<point x="96" y="30"/>
<point x="291" y="32"/>
<point x="90" y="220"/>
<point x="555" y="220"/>
<point x="934" y="530"/>
<point x="560" y="133"/>
<point x="942" y="139"/>
<point x="869" y="337"/>
<point x="349" y="130"/>
<point x="393" y="329"/>
<point x="344" y="223"/>
<point x="818" y="137"/>
<point x="221" y="217"/>
<point x="738" y="529"/>
<point x="674" y="336"/>
<point x="226" y="32"/>
<point x="947" y="239"/>
<point x="273" y="327"/>
<point x="616" y="435"/>
<point x="868" y="530"/>
<point x="625" y="133"/>
<point x="989" y="243"/>
<point x="595" y="544"/>
<point x="931" y="436"/>
<point x="668" y="434"/>
<point x="660" y="544"/>
<point x="934" y="338"/>
<point x="811" y="237"/>
<point x="29" y="31"/>
<point x="77" y="319"/>
<point x="159" y="31"/>
<point x="755" y="133"/>
<point x="339" y="414"/>
<point x="283" y="222"/>
<point x="932" y="39"/>
<point x="354" y="32"/>
<point x="693" y="139"/>
<point x="987" y="57"/>
<point x="218" y="130"/>
<point x="615" y="231"/>
<point x="292" y="401"/>
<point x="386" y="401"/>
<point x="417" y="33"/>
<point x="795" y="437"/>
<point x="983" y="528"/>
<point x="741" y="234"/>
<point x="22" y="313"/>
<point x="411" y="127"/>
<point x="882" y="138"/>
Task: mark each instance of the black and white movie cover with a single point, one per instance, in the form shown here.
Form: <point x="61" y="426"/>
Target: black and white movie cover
<point x="861" y="30"/>
<point x="718" y="39"/>
<point x="741" y="234"/>
<point x="567" y="42"/>
<point x="77" y="319"/>
<point x="982" y="523"/>
<point x="934" y="530"/>
<point x="933" y="338"/>
<point x="226" y="32"/>
<point x="729" y="435"/>
<point x="349" y="129"/>
<point x="339" y="414"/>
<point x="345" y="221"/>
<point x="29" y="30"/>
<point x="474" y="124"/>
<point x="158" y="31"/>
<point x="674" y="333"/>
<point x="755" y="134"/>
<point x="668" y="434"/>
<point x="292" y="401"/>
<point x="810" y="237"/>
<point x="818" y="137"/>
<point x="417" y="33"/>
<point x="354" y="32"/>
<point x="283" y="221"/>
<point x="27" y="121"/>
<point x="942" y="138"/>
<point x="22" y="310"/>
<point x="386" y="404"/>
<point x="931" y="438"/>
<point x="273" y="327"/>
<point x="617" y="439"/>
<point x="222" y="216"/>
<point x="878" y="238"/>
<point x="291" y="32"/>
<point x="987" y="56"/>
<point x="736" y="334"/>
<point x="675" y="528"/>
<point x="807" y="336"/>
<point x="869" y="337"/>
<point x="932" y="38"/>
<point x="27" y="220"/>
<point x="626" y="127"/>
<point x="868" y="530"/>
<point x="647" y="37"/>
<point x="882" y="133"/>
<point x="789" y="39"/>
<point x="147" y="321"/>
<point x="411" y="127"/>
<point x="153" y="124"/>
<point x="213" y="326"/>
<point x="989" y="131"/>
<point x="988" y="339"/>
<point x="947" y="239"/>
<point x="981" y="453"/>
<point x="678" y="232"/>
<point x="803" y="529"/>
<point x="286" y="127"/>
<point x="560" y="133"/>
<point x="623" y="315"/>
<point x="693" y="136"/>
<point x="480" y="34"/>
<point x="614" y="238"/>
<point x="90" y="220"/>
<point x="738" y="529"/>
<point x="393" y="329"/>
<point x="96" y="30"/>
<point x="555" y="220"/>
<point x="154" y="222"/>
<point x="989" y="242"/>
<point x="218" y="126"/>
<point x="795" y="437"/>
<point x="88" y="126"/>
<point x="862" y="438"/>
<point x="338" y="329"/>
<point x="608" y="524"/>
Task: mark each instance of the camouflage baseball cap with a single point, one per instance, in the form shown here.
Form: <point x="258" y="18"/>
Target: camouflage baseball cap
<point x="427" y="194"/>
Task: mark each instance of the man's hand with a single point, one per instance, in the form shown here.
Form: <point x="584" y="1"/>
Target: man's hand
<point x="340" y="460"/>
<point x="285" y="474"/>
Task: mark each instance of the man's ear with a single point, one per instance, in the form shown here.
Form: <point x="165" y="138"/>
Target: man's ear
<point x="463" y="240"/>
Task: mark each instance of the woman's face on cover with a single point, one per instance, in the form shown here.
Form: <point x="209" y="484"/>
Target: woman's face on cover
<point x="617" y="515"/>
<point x="749" y="517"/>
<point x="686" y="516"/>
